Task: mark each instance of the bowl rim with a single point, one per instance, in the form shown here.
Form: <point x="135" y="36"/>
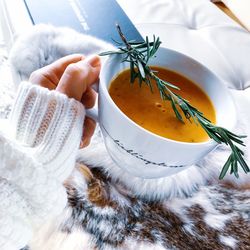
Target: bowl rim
<point x="108" y="97"/>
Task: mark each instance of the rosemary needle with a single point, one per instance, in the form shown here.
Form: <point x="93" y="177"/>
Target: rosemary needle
<point x="138" y="55"/>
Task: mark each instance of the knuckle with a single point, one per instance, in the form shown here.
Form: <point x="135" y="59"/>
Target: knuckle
<point x="75" y="70"/>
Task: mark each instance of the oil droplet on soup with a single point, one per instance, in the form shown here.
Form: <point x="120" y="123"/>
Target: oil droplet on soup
<point x="149" y="111"/>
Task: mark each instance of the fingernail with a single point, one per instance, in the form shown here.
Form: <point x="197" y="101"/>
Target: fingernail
<point x="81" y="145"/>
<point x="94" y="60"/>
<point x="84" y="143"/>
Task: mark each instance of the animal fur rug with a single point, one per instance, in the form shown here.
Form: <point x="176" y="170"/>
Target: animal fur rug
<point x="111" y="209"/>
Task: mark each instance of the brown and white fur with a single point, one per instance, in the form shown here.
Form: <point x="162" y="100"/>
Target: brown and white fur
<point x="110" y="209"/>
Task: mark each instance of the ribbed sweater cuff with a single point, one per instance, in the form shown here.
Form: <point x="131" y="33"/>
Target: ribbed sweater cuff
<point x="49" y="124"/>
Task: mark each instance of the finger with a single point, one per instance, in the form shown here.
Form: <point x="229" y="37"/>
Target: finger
<point x="88" y="131"/>
<point x="44" y="79"/>
<point x="50" y="75"/>
<point x="61" y="64"/>
<point x="79" y="76"/>
<point x="89" y="98"/>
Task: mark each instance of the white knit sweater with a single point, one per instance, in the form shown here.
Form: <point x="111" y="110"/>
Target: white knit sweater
<point x="37" y="153"/>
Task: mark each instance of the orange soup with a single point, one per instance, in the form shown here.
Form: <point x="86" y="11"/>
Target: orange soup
<point x="150" y="112"/>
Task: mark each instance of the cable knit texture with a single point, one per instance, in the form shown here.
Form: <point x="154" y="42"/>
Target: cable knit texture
<point x="37" y="153"/>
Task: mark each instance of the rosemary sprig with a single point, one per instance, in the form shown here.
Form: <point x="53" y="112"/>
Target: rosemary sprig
<point x="138" y="55"/>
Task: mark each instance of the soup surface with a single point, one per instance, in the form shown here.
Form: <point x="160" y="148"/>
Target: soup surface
<point x="150" y="112"/>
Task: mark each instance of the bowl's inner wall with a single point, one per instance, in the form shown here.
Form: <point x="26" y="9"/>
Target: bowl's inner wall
<point x="193" y="70"/>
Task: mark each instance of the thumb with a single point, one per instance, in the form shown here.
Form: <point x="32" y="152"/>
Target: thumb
<point x="78" y="76"/>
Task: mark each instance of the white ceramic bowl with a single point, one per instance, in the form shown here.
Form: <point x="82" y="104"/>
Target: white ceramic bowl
<point x="141" y="152"/>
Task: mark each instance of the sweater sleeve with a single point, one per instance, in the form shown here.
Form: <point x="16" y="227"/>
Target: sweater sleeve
<point x="49" y="125"/>
<point x="37" y="153"/>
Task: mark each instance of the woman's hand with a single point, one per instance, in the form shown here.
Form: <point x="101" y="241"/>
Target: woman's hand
<point x="73" y="76"/>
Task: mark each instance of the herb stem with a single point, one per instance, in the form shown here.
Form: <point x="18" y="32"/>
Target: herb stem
<point x="138" y="55"/>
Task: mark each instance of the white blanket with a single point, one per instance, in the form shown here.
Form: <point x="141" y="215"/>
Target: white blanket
<point x="199" y="29"/>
